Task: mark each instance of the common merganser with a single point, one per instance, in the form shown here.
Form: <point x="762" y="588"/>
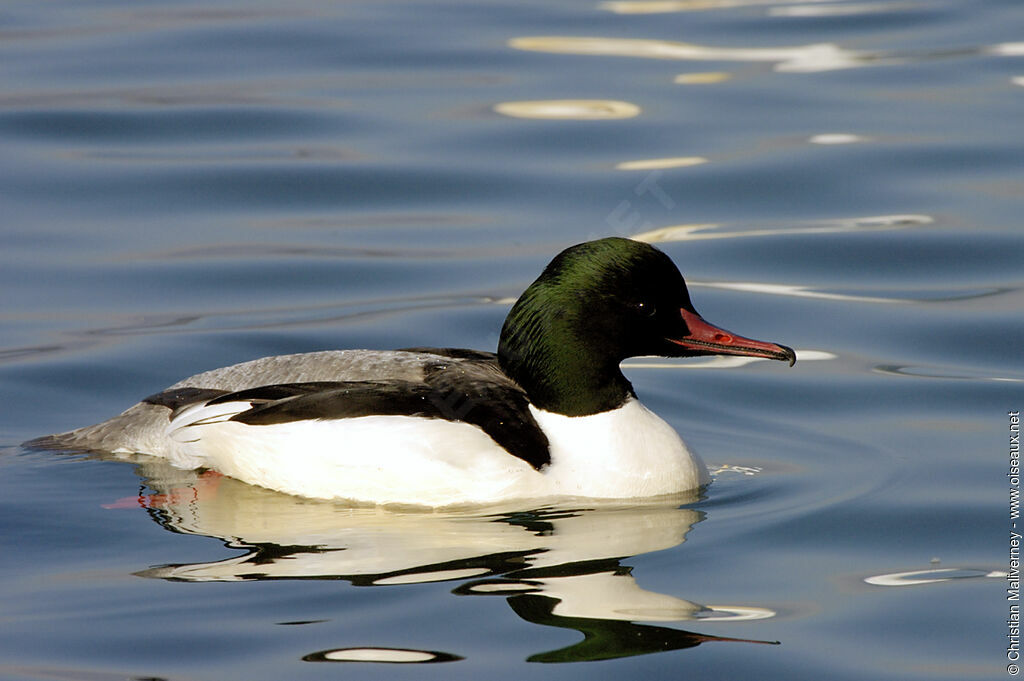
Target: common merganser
<point x="549" y="415"/>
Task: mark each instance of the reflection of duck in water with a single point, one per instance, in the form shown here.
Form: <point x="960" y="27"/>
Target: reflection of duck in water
<point x="550" y="415"/>
<point x="608" y="639"/>
<point x="556" y="566"/>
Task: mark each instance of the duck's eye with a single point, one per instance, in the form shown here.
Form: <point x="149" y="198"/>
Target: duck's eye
<point x="646" y="309"/>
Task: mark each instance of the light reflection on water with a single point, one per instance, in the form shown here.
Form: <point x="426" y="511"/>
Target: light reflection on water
<point x="714" y="231"/>
<point x="932" y="576"/>
<point x="570" y="109"/>
<point x="814" y="58"/>
<point x="664" y="6"/>
<point x="661" y="163"/>
<point x="803" y="59"/>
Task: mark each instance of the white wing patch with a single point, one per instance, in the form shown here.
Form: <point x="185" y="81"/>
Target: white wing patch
<point x="201" y="414"/>
<point x="185" y="430"/>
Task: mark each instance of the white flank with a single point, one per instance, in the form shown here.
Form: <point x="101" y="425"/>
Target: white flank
<point x="382" y="459"/>
<point x="624" y="453"/>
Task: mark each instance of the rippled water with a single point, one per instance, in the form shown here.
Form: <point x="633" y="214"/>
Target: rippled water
<point x="186" y="186"/>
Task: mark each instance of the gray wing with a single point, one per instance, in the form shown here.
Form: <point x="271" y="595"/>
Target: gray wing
<point x="140" y="427"/>
<point x="309" y="367"/>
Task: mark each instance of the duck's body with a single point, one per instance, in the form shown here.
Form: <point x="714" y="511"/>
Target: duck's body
<point x="550" y="415"/>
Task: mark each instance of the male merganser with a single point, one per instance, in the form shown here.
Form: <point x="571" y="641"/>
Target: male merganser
<point x="549" y="415"/>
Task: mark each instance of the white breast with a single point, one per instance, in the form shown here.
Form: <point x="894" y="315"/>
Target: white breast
<point x="625" y="452"/>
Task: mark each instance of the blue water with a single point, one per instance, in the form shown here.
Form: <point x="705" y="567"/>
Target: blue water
<point x="185" y="186"/>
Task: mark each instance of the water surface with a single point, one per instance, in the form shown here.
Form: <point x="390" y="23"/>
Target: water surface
<point x="190" y="186"/>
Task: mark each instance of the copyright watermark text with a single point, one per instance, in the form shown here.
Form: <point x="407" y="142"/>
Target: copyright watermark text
<point x="1013" y="574"/>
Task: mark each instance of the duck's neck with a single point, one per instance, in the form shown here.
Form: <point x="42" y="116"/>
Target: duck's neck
<point x="559" y="372"/>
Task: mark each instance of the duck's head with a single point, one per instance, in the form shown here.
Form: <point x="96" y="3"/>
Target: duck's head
<point x="596" y="304"/>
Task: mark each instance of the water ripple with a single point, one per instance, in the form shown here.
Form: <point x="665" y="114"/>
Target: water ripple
<point x="931" y="576"/>
<point x="812" y="58"/>
<point x="944" y="372"/>
<point x="662" y="163"/>
<point x="803" y="58"/>
<point x="389" y="655"/>
<point x="569" y="109"/>
<point x="939" y="296"/>
<point x="695" y="232"/>
<point x="840" y="10"/>
<point x="667" y="6"/>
